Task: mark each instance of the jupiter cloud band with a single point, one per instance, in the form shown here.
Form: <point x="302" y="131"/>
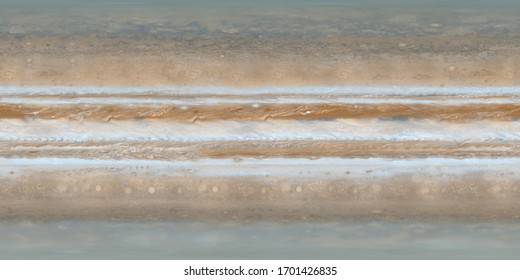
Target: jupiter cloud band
<point x="259" y="111"/>
<point x="246" y="154"/>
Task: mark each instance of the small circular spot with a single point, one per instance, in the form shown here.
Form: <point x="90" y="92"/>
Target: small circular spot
<point x="128" y="190"/>
<point x="402" y="45"/>
<point x="98" y="188"/>
<point x="184" y="108"/>
<point x="214" y="189"/>
<point x="452" y="68"/>
<point x="255" y="105"/>
<point x="151" y="190"/>
<point x="299" y="189"/>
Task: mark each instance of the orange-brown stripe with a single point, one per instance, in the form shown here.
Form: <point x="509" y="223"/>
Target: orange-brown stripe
<point x="262" y="112"/>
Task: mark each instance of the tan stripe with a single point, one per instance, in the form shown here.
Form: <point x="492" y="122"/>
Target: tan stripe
<point x="92" y="193"/>
<point x="222" y="149"/>
<point x="472" y="59"/>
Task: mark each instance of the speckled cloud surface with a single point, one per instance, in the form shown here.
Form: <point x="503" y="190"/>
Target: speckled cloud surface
<point x="197" y="153"/>
<point x="334" y="112"/>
